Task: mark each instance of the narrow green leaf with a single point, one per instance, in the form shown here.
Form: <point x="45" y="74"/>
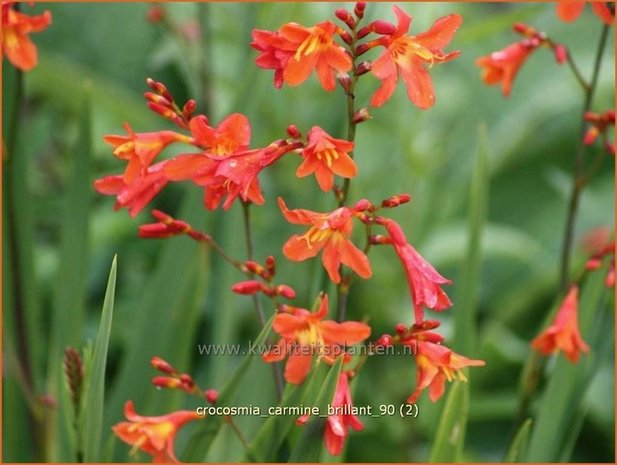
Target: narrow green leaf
<point x="469" y="281"/>
<point x="266" y="443"/>
<point x="564" y="393"/>
<point x="202" y="439"/>
<point x="310" y="444"/>
<point x="518" y="446"/>
<point x="95" y="381"/>
<point x="450" y="438"/>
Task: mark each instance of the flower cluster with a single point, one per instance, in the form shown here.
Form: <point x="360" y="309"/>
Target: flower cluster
<point x="219" y="159"/>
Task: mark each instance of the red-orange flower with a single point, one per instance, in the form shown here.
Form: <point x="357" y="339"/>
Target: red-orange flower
<point x="16" y="27"/>
<point x="563" y="335"/>
<point x="423" y="280"/>
<point x="153" y="435"/>
<point x="436" y="364"/>
<point x="139" y="192"/>
<point x="502" y="66"/>
<point x="337" y="424"/>
<point x="304" y="333"/>
<point x="330" y="232"/>
<point x="408" y="56"/>
<point x="326" y="156"/>
<point x="570" y="11"/>
<point x="294" y="51"/>
<point x="140" y="149"/>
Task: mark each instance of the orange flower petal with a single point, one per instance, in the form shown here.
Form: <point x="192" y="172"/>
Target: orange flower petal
<point x="418" y="83"/>
<point x="569" y="11"/>
<point x="441" y="33"/>
<point x="297" y="367"/>
<point x="298" y="249"/>
<point x="347" y="333"/>
<point x="355" y="259"/>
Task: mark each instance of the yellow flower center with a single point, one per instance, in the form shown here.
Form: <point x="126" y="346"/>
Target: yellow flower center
<point x="310" y="44"/>
<point x="328" y="155"/>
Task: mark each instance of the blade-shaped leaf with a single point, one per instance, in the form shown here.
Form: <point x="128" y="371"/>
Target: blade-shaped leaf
<point x="518" y="446"/>
<point x="448" y="444"/>
<point x="95" y="381"/>
<point x="310" y="444"/>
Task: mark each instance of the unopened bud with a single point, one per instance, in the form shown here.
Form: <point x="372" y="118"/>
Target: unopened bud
<point x="363" y="48"/>
<point x="362" y="205"/>
<point x="378" y="239"/>
<point x="345" y="16"/>
<point x="561" y="53"/>
<point x="161" y="365"/>
<point x="156" y="231"/>
<point x="285" y="291"/>
<point x="256" y="268"/>
<point x="400" y="328"/>
<point x="593" y="264"/>
<point x="361" y="116"/>
<point x="346" y="37"/>
<point x="211" y="395"/>
<point x="189" y="109"/>
<point x="344" y="80"/>
<point x="524" y="29"/>
<point x="609" y="281"/>
<point x="293" y="132"/>
<point x="384" y="340"/>
<point x="359" y="9"/>
<point x="155" y="14"/>
<point x="187" y="381"/>
<point x="247" y="287"/>
<point x="166" y="382"/>
<point x="363" y="68"/>
<point x="160" y="89"/>
<point x="271" y="265"/>
<point x="591" y="135"/>
<point x="156" y="98"/>
<point x="396" y="200"/>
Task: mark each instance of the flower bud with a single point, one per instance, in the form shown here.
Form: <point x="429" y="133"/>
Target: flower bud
<point x="247" y="287"/>
<point x="561" y="53"/>
<point x="362" y="205"/>
<point x="359" y="9"/>
<point x="361" y="115"/>
<point x="396" y="200"/>
<point x="256" y="268"/>
<point x="385" y="340"/>
<point x="271" y="265"/>
<point x="161" y="365"/>
<point x="155" y="14"/>
<point x="346" y="37"/>
<point x="378" y="239"/>
<point x="166" y="382"/>
<point x="609" y="281"/>
<point x="382" y="27"/>
<point x="285" y="291"/>
<point x="363" y="68"/>
<point x="345" y="16"/>
<point x="211" y="396"/>
<point x="189" y="109"/>
<point x="524" y="29"/>
<point x="293" y="132"/>
<point x="187" y="381"/>
<point x="156" y="231"/>
<point x="344" y="80"/>
<point x="400" y="328"/>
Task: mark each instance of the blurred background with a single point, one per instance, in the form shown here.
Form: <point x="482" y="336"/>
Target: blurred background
<point x="173" y="294"/>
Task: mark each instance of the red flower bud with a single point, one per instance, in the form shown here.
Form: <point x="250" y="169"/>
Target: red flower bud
<point x="524" y="29"/>
<point x="361" y="115"/>
<point x="345" y="16"/>
<point x="344" y="80"/>
<point x="593" y="264"/>
<point x="166" y="382"/>
<point x="155" y="14"/>
<point x="189" y="109"/>
<point x="256" y="268"/>
<point x="363" y="68"/>
<point x="211" y="395"/>
<point x="359" y="9"/>
<point x="247" y="287"/>
<point x="561" y="53"/>
<point x="400" y="328"/>
<point x="396" y="200"/>
<point x="293" y="132"/>
<point x="271" y="265"/>
<point x="285" y="291"/>
<point x="384" y="340"/>
<point x="382" y="27"/>
<point x="187" y="381"/>
<point x="362" y="205"/>
<point x="378" y="239"/>
<point x="161" y="365"/>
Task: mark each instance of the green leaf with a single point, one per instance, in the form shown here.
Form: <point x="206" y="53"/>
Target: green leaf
<point x="518" y="446"/>
<point x="266" y="443"/>
<point x="450" y="438"/>
<point x="202" y="439"/>
<point x="95" y="380"/>
<point x="310" y="444"/>
<point x="469" y="282"/>
<point x="561" y="401"/>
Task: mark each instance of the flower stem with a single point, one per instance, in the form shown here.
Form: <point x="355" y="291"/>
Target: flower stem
<point x="276" y="367"/>
<point x="342" y="289"/>
<point x="579" y="180"/>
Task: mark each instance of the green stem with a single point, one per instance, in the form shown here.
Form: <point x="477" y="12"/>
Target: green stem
<point x="579" y="180"/>
<point x="342" y="289"/>
<point x="276" y="367"/>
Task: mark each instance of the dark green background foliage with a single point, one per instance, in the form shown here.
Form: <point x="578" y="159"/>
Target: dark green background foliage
<point x="172" y="295"/>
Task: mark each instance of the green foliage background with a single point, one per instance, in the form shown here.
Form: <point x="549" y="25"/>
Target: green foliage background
<point x="172" y="295"/>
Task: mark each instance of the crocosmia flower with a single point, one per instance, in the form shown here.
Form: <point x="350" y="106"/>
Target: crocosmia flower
<point x="304" y="334"/>
<point x="153" y="435"/>
<point x="570" y="11"/>
<point x="140" y="149"/>
<point x="563" y="335"/>
<point x="294" y="51"/>
<point x="326" y="156"/>
<point x="338" y="424"/>
<point x="436" y="364"/>
<point x="16" y="27"/>
<point x="408" y="57"/>
<point x="139" y="192"/>
<point x="502" y="66"/>
<point x="423" y="280"/>
<point x="328" y="232"/>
